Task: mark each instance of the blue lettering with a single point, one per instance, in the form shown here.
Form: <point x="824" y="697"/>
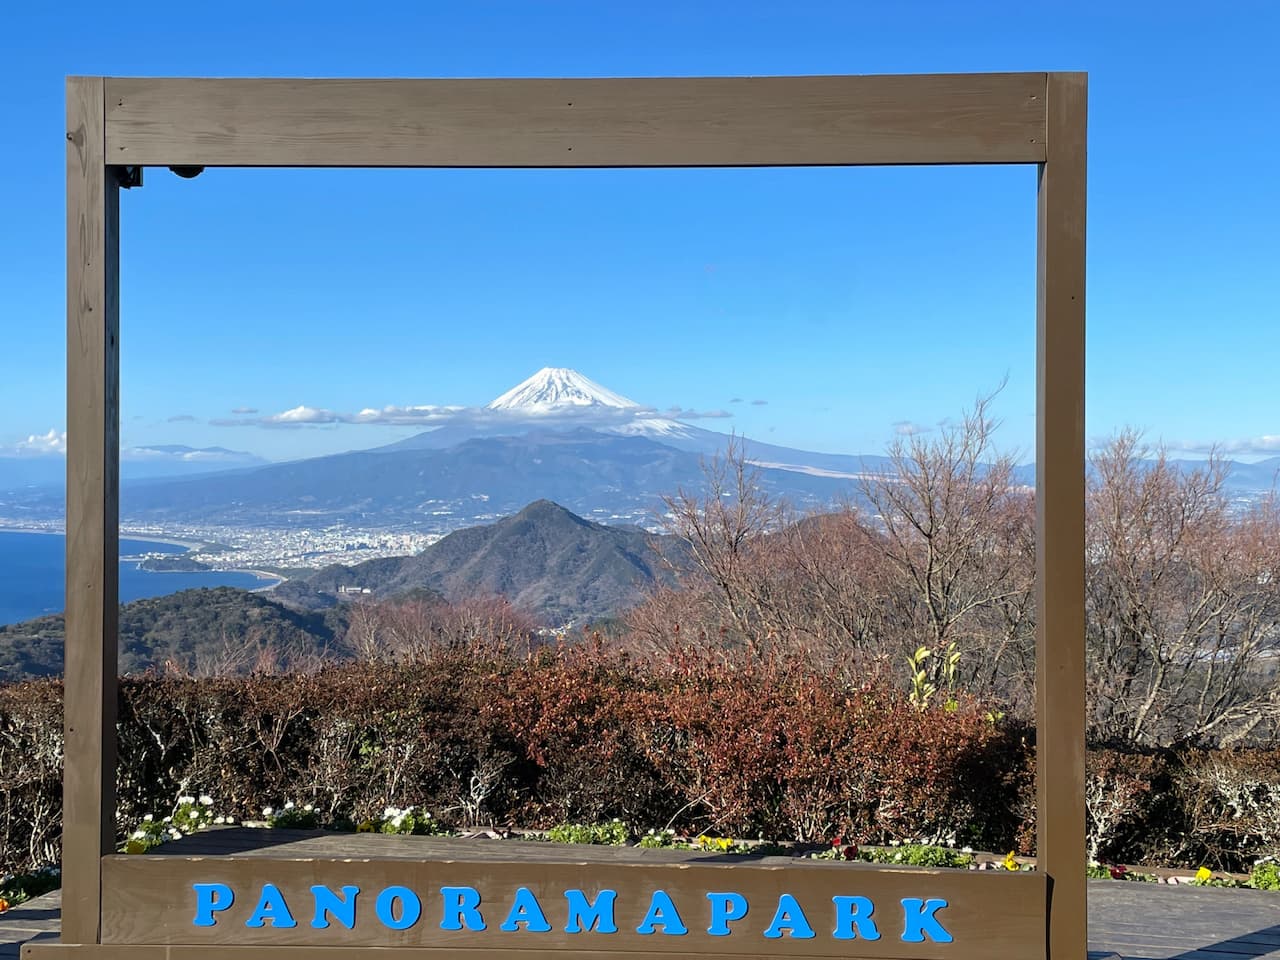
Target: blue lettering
<point x="271" y="906"/>
<point x="662" y="913"/>
<point x="725" y="907"/>
<point x="211" y="898"/>
<point x="526" y="909"/>
<point x="461" y="909"/>
<point x="853" y="919"/>
<point x="584" y="915"/>
<point x="343" y="909"/>
<point x="919" y="921"/>
<point x="791" y="918"/>
<point x="385" y="907"/>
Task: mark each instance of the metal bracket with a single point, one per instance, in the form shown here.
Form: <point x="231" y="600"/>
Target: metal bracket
<point x="129" y="177"/>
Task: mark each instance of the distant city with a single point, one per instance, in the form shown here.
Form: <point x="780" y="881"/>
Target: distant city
<point x="557" y="435"/>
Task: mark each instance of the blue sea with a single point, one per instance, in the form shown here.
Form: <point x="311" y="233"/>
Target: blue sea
<point x="32" y="565"/>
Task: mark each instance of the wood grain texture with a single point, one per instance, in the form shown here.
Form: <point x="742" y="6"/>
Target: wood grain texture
<point x="988" y="913"/>
<point x="93" y="450"/>
<point x="1060" y="474"/>
<point x="712" y="121"/>
<point x="1125" y="919"/>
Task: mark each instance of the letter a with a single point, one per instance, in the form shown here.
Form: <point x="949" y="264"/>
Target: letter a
<point x="790" y="917"/>
<point x="525" y="909"/>
<point x="271" y="906"/>
<point x="662" y="913"/>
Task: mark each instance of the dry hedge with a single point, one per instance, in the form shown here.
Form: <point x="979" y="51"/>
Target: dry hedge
<point x="757" y="749"/>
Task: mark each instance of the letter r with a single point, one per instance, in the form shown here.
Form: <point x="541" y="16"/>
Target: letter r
<point x="853" y="919"/>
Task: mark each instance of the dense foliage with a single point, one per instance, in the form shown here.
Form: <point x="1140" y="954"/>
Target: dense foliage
<point x="208" y="631"/>
<point x="757" y="747"/>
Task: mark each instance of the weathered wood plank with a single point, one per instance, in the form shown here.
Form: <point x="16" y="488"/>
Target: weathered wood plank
<point x="708" y="121"/>
<point x="1060" y="667"/>
<point x="93" y="451"/>
<point x="154" y="900"/>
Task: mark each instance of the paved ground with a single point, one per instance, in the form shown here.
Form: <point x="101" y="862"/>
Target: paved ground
<point x="23" y="923"/>
<point x="1129" y="920"/>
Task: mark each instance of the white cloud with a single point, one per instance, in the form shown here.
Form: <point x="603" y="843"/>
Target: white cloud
<point x="679" y="413"/>
<point x="437" y="416"/>
<point x="38" y="445"/>
<point x="176" y="452"/>
<point x="907" y="428"/>
<point x="1268" y="443"/>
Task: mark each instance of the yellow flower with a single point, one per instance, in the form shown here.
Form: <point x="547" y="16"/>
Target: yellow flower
<point x="1204" y="875"/>
<point x="4" y="904"/>
<point x="1010" y="863"/>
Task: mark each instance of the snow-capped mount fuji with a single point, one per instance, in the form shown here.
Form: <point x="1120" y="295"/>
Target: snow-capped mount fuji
<point x="556" y="399"/>
<point x="555" y="389"/>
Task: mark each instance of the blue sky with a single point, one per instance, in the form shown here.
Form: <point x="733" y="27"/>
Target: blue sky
<point x="848" y="301"/>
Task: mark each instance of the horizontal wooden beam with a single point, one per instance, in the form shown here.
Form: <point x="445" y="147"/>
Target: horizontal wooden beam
<point x="659" y="122"/>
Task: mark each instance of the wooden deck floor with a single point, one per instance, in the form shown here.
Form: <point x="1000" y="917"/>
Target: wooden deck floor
<point x="1129" y="920"/>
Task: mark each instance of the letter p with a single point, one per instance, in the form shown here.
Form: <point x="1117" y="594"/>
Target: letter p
<point x="211" y="898"/>
<point x="725" y="907"/>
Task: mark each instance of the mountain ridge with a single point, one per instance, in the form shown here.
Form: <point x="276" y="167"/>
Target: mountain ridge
<point x="545" y="560"/>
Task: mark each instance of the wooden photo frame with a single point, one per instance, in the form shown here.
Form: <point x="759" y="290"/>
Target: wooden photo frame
<point x="150" y="906"/>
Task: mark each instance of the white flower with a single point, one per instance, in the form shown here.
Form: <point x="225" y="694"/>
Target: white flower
<point x="230" y="822"/>
<point x="308" y="808"/>
<point x="219" y="819"/>
<point x="289" y="805"/>
<point x="186" y="800"/>
<point x="206" y="801"/>
<point x="147" y="818"/>
<point x="137" y="835"/>
<point x="167" y="820"/>
<point x="267" y="811"/>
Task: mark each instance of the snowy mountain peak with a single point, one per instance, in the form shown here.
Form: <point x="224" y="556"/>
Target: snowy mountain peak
<point x="558" y="388"/>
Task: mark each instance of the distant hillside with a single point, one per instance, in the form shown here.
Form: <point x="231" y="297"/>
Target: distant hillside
<point x="544" y="559"/>
<point x="208" y="630"/>
<point x="472" y="481"/>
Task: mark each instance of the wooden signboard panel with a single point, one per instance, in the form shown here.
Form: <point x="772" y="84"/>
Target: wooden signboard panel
<point x="143" y="907"/>
<point x="805" y="909"/>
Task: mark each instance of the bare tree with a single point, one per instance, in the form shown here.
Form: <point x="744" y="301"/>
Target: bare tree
<point x="1184" y="601"/>
<point x="410" y="630"/>
<point x="722" y="529"/>
<point x="958" y="531"/>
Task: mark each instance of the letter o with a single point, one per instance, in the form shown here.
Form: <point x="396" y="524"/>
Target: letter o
<point x="410" y="908"/>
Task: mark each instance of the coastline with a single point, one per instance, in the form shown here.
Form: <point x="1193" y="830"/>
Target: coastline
<point x="187" y="545"/>
<point x="270" y="580"/>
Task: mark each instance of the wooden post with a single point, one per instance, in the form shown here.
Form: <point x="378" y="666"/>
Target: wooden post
<point x="1060" y="475"/>
<point x="93" y="461"/>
